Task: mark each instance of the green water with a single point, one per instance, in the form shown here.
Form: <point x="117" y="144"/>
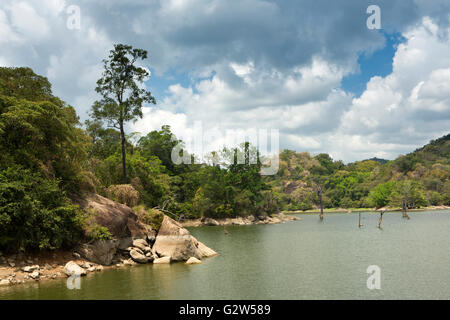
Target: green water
<point x="305" y="259"/>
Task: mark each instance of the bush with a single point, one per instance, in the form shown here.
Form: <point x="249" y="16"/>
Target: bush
<point x="35" y="213"/>
<point x="123" y="193"/>
<point x="152" y="217"/>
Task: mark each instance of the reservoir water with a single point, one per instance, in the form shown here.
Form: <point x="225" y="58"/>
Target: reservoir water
<point x="305" y="259"/>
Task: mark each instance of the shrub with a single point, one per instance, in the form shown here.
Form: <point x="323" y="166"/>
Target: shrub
<point x="123" y="193"/>
<point x="152" y="217"/>
<point x="35" y="213"/>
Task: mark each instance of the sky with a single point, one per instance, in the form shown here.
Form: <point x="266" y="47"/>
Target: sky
<point x="311" y="69"/>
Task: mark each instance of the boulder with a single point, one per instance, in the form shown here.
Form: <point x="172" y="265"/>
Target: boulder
<point x="204" y="251"/>
<point x="176" y="242"/>
<point x="162" y="260"/>
<point x="30" y="269"/>
<point x="140" y="243"/>
<point x="210" y="222"/>
<point x="120" y="220"/>
<point x="138" y="256"/>
<point x="125" y="243"/>
<point x="71" y="268"/>
<point x="100" y="252"/>
<point x="4" y="282"/>
<point x="193" y="260"/>
<point x="34" y="275"/>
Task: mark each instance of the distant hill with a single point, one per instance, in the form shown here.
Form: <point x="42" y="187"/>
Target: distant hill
<point x="435" y="152"/>
<point x="380" y="161"/>
<point x="424" y="174"/>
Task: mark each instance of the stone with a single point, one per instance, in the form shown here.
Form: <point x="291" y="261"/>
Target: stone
<point x="30" y="269"/>
<point x="210" y="222"/>
<point x="91" y="269"/>
<point x="76" y="255"/>
<point x="100" y="252"/>
<point x="120" y="220"/>
<point x="140" y="243"/>
<point x="176" y="242"/>
<point x="71" y="268"/>
<point x="4" y="282"/>
<point x="138" y="256"/>
<point x="125" y="243"/>
<point x="162" y="260"/>
<point x="34" y="275"/>
<point x="147" y="250"/>
<point x="129" y="262"/>
<point x="48" y="267"/>
<point x="99" y="268"/>
<point x="193" y="260"/>
<point x="86" y="265"/>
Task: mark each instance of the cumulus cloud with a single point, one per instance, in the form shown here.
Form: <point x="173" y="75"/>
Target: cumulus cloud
<point x="253" y="64"/>
<point x="410" y="105"/>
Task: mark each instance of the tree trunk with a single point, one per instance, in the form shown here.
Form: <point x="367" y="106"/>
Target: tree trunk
<point x="404" y="208"/>
<point x="321" y="203"/>
<point x="359" y="220"/>
<point x="124" y="155"/>
<point x="380" y="219"/>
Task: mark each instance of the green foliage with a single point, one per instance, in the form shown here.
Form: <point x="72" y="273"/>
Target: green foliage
<point x="34" y="212"/>
<point x="409" y="191"/>
<point x="160" y="144"/>
<point x="152" y="217"/>
<point x="122" y="97"/>
<point x="381" y="194"/>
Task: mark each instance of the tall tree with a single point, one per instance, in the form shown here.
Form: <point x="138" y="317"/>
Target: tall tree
<point x="122" y="95"/>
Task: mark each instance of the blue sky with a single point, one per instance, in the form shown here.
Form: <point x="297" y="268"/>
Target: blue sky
<point x="378" y="63"/>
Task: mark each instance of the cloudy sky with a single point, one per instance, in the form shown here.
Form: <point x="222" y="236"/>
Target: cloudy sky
<point x="311" y="69"/>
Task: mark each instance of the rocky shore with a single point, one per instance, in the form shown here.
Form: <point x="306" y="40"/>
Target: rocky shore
<point x="240" y="221"/>
<point x="133" y="243"/>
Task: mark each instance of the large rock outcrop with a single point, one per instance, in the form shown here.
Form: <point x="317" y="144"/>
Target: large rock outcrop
<point x="120" y="219"/>
<point x="101" y="252"/>
<point x="176" y="242"/>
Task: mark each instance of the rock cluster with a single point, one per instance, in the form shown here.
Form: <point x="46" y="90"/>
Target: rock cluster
<point x="241" y="221"/>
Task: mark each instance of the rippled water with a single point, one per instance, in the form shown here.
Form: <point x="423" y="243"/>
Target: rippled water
<point x="305" y="259"/>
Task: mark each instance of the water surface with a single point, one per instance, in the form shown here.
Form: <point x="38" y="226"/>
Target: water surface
<point x="305" y="259"/>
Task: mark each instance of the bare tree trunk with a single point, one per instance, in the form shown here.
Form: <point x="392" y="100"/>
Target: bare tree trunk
<point x="124" y="155"/>
<point x="359" y="220"/>
<point x="380" y="219"/>
<point x="404" y="209"/>
<point x="321" y="203"/>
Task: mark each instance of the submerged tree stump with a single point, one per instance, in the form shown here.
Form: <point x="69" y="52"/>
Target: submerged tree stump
<point x="380" y="219"/>
<point x="404" y="210"/>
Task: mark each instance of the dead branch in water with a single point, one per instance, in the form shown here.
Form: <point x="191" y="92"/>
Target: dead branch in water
<point x="359" y="220"/>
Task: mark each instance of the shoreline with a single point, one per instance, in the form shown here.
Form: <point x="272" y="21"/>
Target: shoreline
<point x="240" y="221"/>
<point x="355" y="210"/>
<point x="21" y="268"/>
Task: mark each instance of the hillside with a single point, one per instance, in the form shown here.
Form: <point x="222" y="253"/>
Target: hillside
<point x="421" y="176"/>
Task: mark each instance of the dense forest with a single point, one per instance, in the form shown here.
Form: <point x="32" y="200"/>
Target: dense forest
<point x="47" y="155"/>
